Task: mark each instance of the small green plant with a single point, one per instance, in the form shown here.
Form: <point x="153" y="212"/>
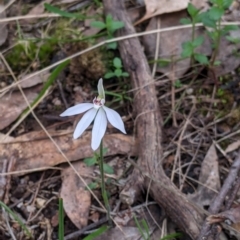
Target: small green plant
<point x="189" y="47"/>
<point x="211" y="19"/>
<point x="110" y="26"/>
<point x="117" y="69"/>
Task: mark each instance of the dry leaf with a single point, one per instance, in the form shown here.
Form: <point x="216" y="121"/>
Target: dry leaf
<point x="4" y="138"/>
<point x="35" y="150"/>
<point x="227" y="55"/>
<point x="171" y="50"/>
<point x="233" y="215"/>
<point x="233" y="146"/>
<point x="76" y="199"/>
<point x="3" y="27"/>
<point x="203" y="4"/>
<point x="37" y="10"/>
<point x="34" y="80"/>
<point x="157" y="7"/>
<point x="12" y="105"/>
<point x="209" y="179"/>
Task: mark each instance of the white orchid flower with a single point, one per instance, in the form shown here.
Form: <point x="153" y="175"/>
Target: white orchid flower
<point x="99" y="113"/>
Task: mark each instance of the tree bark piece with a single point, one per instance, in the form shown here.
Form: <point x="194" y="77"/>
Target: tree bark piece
<point x="149" y="133"/>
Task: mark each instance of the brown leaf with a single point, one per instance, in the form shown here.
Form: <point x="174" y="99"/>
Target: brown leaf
<point x="227" y="57"/>
<point x="36" y="79"/>
<point x="233" y="146"/>
<point x="209" y="179"/>
<point x="203" y="4"/>
<point x="157" y="7"/>
<point x="36" y="10"/>
<point x="35" y="150"/>
<point x="76" y="199"/>
<point x="13" y="104"/>
<point x="232" y="214"/>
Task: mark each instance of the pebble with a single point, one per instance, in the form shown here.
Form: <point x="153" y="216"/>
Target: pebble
<point x="57" y="102"/>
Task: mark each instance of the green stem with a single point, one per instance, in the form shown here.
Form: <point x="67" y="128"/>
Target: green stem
<point x="217" y="44"/>
<point x="103" y="187"/>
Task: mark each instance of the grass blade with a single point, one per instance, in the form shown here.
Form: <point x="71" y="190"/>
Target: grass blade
<point x="16" y="218"/>
<point x="62" y="13"/>
<point x="60" y="220"/>
<point x="97" y="233"/>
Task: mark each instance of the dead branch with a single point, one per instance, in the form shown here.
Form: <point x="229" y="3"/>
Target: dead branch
<point x="149" y="133"/>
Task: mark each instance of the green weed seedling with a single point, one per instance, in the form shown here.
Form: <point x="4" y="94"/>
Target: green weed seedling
<point x="110" y="26"/>
<point x="189" y="47"/>
<point x="118" y="71"/>
<point x="211" y="19"/>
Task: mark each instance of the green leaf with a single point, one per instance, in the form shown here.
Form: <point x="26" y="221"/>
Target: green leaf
<point x="109" y="20"/>
<point x="90" y="161"/>
<point x="178" y="83"/>
<point x="62" y="13"/>
<point x="197" y="41"/>
<point x="201" y="58"/>
<point x="115" y="25"/>
<point x="231" y="28"/>
<point x="125" y="74"/>
<point x="172" y="236"/>
<point x="108" y="169"/>
<point x="192" y="10"/>
<point x="185" y="21"/>
<point x="215" y="13"/>
<point x="93" y="185"/>
<point x="96" y="233"/>
<point x="206" y="20"/>
<point x="217" y="63"/>
<point x="117" y="63"/>
<point x="118" y="72"/>
<point x="98" y="24"/>
<point x="112" y="45"/>
<point x="109" y="75"/>
<point x="233" y="40"/>
<point x="187" y="49"/>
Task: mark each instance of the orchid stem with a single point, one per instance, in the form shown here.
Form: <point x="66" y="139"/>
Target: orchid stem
<point x="103" y="187"/>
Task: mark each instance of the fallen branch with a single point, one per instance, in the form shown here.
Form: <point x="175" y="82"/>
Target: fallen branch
<point x="149" y="133"/>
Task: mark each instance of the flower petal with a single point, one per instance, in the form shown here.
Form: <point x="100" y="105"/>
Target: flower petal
<point x="77" y="109"/>
<point x="84" y="122"/>
<point x="101" y="91"/>
<point x="99" y="128"/>
<point x="115" y="119"/>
